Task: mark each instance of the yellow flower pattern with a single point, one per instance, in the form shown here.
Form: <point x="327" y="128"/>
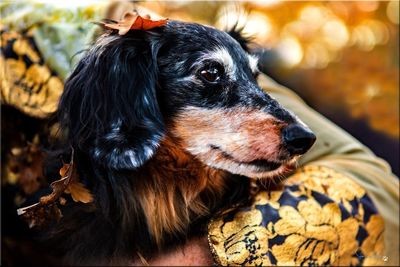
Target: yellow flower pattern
<point x="249" y="240"/>
<point x="27" y="83"/>
<point x="321" y="217"/>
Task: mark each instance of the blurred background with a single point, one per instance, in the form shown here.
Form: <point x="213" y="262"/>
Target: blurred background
<point x="341" y="57"/>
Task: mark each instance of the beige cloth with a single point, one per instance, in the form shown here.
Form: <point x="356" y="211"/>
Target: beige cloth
<point x="340" y="151"/>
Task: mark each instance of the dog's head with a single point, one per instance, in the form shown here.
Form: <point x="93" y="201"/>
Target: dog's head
<point x="192" y="83"/>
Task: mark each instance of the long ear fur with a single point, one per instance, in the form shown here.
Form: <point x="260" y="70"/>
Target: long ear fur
<point x="236" y="32"/>
<point x="109" y="106"/>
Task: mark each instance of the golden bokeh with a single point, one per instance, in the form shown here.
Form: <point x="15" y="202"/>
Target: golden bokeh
<point x="348" y="50"/>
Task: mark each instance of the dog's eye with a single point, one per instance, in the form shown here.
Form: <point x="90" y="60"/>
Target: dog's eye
<point x="212" y="73"/>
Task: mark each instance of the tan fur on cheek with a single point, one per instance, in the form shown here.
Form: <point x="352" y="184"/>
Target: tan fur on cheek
<point x="244" y="134"/>
<point x="171" y="196"/>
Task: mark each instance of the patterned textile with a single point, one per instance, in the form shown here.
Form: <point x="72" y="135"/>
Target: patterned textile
<point x="40" y="43"/>
<point x="27" y="83"/>
<point x="321" y="217"/>
<point x="60" y="32"/>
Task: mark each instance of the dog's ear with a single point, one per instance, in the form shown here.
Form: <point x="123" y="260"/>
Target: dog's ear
<point x="109" y="106"/>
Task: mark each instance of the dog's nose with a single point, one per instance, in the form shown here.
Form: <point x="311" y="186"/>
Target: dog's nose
<point x="297" y="139"/>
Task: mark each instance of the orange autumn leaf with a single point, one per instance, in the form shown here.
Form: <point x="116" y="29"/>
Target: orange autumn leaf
<point x="46" y="210"/>
<point x="59" y="186"/>
<point x="147" y="24"/>
<point x="79" y="193"/>
<point x="64" y="170"/>
<point x="132" y="21"/>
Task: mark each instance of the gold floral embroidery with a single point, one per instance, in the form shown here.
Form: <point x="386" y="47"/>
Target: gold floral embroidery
<point x="310" y="226"/>
<point x="293" y="222"/>
<point x="16" y="68"/>
<point x="348" y="245"/>
<point x="326" y="181"/>
<point x="373" y="246"/>
<point x="264" y="197"/>
<point x="36" y="76"/>
<point x="53" y="90"/>
<point x="22" y="47"/>
<point x="286" y="253"/>
<point x="26" y="83"/>
<point x="248" y="243"/>
<point x="312" y="221"/>
<point x="9" y="35"/>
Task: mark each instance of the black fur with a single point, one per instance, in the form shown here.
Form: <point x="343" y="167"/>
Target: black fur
<point x="236" y="32"/>
<point x="114" y="110"/>
<point x="102" y="108"/>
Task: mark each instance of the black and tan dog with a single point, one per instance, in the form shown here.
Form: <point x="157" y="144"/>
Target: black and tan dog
<point x="168" y="127"/>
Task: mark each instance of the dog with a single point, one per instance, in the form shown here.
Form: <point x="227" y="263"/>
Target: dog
<point x="168" y="128"/>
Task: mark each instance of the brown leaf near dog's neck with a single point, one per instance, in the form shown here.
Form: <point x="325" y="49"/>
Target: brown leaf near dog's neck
<point x="171" y="196"/>
<point x="78" y="192"/>
<point x="46" y="210"/>
<point x="64" y="169"/>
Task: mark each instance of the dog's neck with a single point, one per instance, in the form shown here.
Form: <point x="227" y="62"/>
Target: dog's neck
<point x="178" y="189"/>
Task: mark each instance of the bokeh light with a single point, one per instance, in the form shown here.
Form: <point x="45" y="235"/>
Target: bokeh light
<point x="290" y="51"/>
<point x="252" y="23"/>
<point x="392" y="11"/>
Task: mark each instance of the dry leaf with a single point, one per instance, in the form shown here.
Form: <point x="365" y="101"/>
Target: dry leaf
<point x="132" y="21"/>
<point x="38" y="213"/>
<point x="59" y="186"/>
<point x="64" y="169"/>
<point x="147" y="24"/>
<point x="79" y="193"/>
<point x="46" y="209"/>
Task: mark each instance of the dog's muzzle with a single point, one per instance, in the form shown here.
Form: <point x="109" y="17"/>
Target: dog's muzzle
<point x="297" y="139"/>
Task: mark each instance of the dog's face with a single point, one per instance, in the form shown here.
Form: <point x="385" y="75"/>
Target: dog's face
<point x="192" y="83"/>
<point x="216" y="109"/>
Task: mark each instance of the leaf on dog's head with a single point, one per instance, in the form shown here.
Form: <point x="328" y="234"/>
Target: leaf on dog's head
<point x="132" y="21"/>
